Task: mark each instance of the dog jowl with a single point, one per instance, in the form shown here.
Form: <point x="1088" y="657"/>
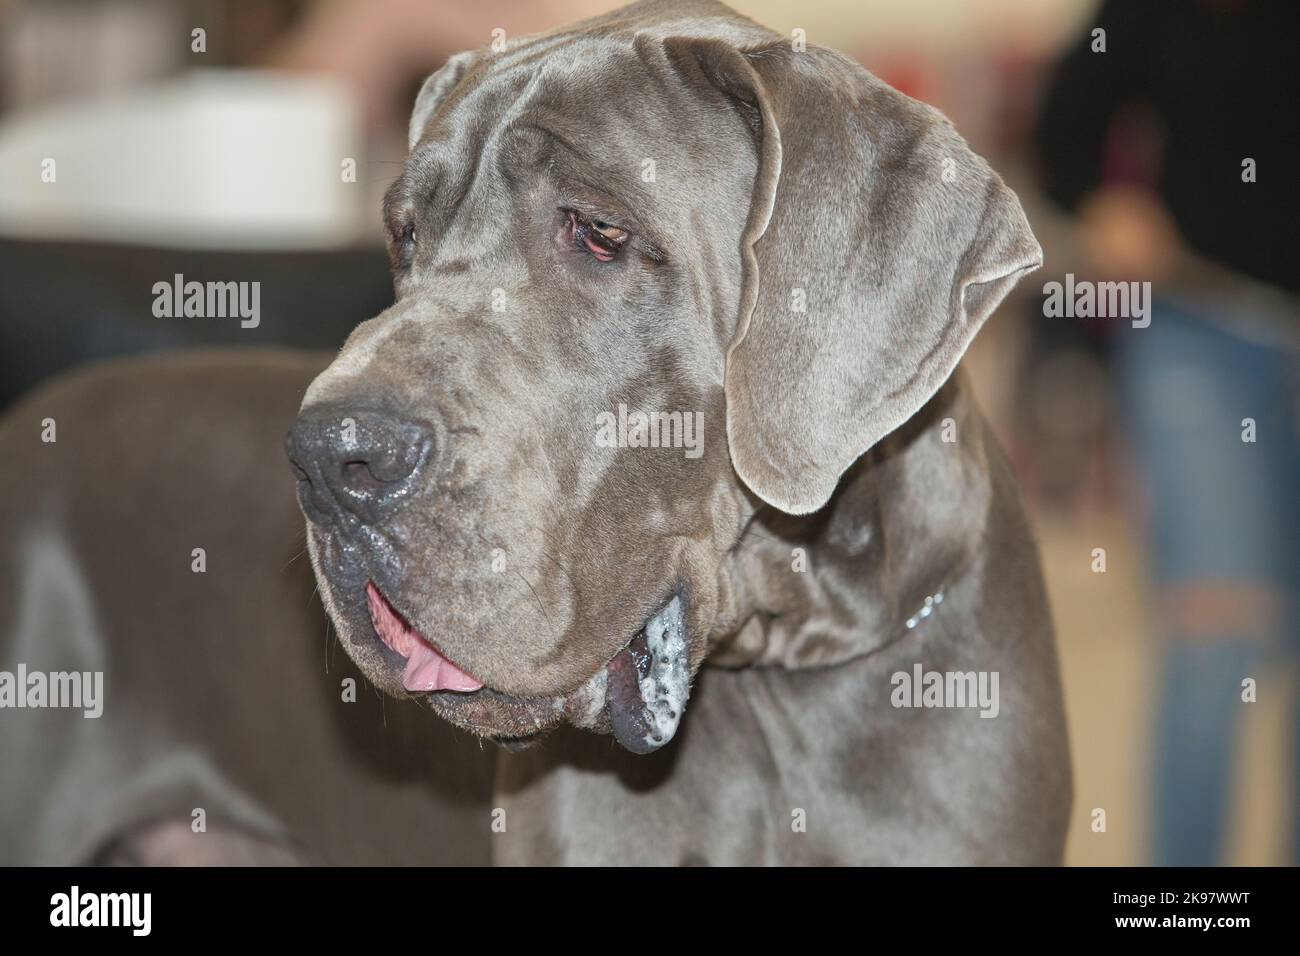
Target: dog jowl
<point x="474" y="546"/>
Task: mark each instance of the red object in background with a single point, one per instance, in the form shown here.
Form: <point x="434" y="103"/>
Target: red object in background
<point x="908" y="74"/>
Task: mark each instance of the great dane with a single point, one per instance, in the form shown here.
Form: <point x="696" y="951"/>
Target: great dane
<point x="670" y="380"/>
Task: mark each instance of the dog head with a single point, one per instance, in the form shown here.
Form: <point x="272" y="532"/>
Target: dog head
<point x="654" y="273"/>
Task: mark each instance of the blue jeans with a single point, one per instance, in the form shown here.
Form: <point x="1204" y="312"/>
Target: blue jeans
<point x="1220" y="510"/>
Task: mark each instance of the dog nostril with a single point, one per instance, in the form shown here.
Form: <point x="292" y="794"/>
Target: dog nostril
<point x="357" y="475"/>
<point x="364" y="477"/>
<point x="359" y="462"/>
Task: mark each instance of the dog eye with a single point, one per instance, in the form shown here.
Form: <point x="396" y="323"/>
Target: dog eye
<point x="401" y="237"/>
<point x="602" y="239"/>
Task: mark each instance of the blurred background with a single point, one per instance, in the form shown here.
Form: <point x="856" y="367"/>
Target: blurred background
<point x="1151" y="142"/>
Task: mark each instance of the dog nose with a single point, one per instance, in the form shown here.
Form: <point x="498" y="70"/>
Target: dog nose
<point x="361" y="463"/>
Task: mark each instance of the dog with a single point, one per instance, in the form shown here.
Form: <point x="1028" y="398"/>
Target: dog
<point x="671" y="378"/>
<point x="669" y="210"/>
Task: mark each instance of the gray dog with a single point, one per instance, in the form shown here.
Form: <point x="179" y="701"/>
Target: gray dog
<point x="669" y="211"/>
<point x="670" y="376"/>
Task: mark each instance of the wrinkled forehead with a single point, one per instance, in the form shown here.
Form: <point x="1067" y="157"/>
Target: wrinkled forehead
<point x="596" y="112"/>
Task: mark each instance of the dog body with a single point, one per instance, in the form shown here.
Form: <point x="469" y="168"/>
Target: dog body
<point x="806" y="764"/>
<point x="568" y="254"/>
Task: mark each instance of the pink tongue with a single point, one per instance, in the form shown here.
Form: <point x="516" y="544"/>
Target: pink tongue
<point x="426" y="669"/>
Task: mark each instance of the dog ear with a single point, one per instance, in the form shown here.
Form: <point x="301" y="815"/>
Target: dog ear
<point x="876" y="246"/>
<point x="434" y="93"/>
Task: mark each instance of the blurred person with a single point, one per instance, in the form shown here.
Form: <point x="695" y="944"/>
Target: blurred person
<point x="1210" y="222"/>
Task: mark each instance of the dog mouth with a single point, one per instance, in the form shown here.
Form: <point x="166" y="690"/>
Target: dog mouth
<point x="649" y="681"/>
<point x="427" y="668"/>
<point x="639" y="696"/>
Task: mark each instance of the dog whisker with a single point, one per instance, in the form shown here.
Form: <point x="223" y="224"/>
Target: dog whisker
<point x="539" y="602"/>
<point x="292" y="560"/>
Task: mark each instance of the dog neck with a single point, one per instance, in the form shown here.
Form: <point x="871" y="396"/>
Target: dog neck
<point x="875" y="563"/>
